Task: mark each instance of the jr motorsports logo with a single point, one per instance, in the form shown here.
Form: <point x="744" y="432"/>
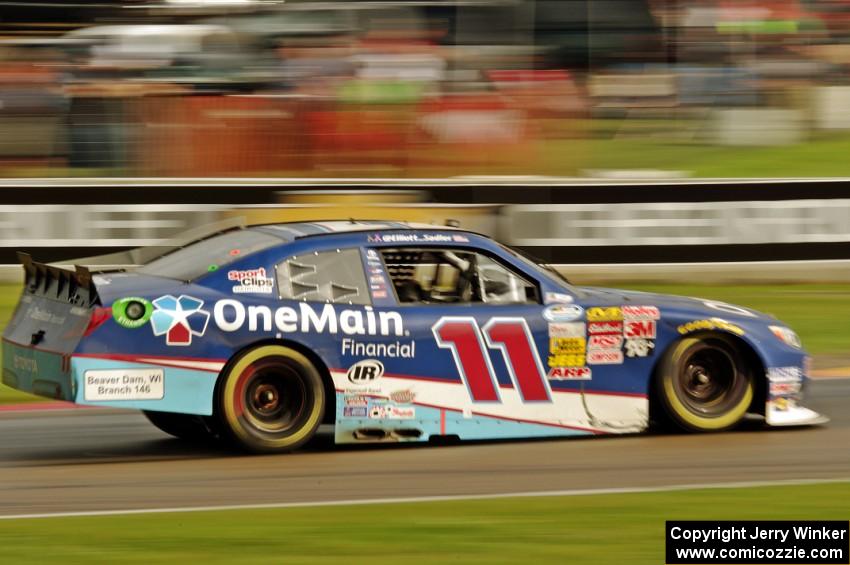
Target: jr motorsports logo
<point x="179" y="319"/>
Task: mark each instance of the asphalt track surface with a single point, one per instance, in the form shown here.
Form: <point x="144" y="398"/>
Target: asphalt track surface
<point x="93" y="460"/>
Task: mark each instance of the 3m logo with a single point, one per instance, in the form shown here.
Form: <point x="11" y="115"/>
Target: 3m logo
<point x="644" y="329"/>
<point x="179" y="319"/>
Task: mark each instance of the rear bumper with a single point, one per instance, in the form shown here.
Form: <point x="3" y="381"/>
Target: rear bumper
<point x="36" y="371"/>
<point x="146" y="383"/>
<point x="149" y="383"/>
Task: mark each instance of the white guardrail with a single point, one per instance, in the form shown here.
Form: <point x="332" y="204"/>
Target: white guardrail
<point x="679" y="223"/>
<point x="110" y="225"/>
<point x="652" y="223"/>
<point x="701" y="223"/>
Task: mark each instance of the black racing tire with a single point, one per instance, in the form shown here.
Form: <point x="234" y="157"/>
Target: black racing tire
<point x="271" y="399"/>
<point x="184" y="426"/>
<point x="705" y="384"/>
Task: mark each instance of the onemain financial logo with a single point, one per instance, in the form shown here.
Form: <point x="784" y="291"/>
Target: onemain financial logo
<point x="179" y="319"/>
<point x="231" y="316"/>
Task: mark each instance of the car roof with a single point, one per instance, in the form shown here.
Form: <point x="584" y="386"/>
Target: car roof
<point x="297" y="230"/>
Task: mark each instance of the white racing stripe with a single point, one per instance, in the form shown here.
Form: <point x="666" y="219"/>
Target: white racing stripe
<point x="401" y="500"/>
<point x="211" y="366"/>
<point x="612" y="413"/>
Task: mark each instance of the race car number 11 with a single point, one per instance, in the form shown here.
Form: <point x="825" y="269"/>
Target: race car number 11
<point x="512" y="336"/>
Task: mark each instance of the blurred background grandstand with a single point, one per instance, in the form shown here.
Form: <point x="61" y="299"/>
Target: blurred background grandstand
<point x="417" y="89"/>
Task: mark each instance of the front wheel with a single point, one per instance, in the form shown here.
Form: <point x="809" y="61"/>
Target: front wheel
<point x="705" y="384"/>
<point x="271" y="399"/>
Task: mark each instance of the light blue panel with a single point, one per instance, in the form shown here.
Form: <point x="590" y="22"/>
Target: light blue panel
<point x="483" y="427"/>
<point x="427" y="420"/>
<point x="187" y="391"/>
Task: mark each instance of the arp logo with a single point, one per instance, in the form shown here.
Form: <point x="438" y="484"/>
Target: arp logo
<point x="365" y="372"/>
<point x="179" y="319"/>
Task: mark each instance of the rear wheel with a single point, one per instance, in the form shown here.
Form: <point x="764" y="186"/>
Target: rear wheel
<point x="183" y="426"/>
<point x="271" y="399"/>
<point x="705" y="384"/>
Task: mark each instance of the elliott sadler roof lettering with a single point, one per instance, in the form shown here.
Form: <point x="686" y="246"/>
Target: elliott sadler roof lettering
<point x="411" y="238"/>
<point x="231" y="315"/>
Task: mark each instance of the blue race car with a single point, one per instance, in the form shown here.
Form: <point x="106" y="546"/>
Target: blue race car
<point x="391" y="332"/>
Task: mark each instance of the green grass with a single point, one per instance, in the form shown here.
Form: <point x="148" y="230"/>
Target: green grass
<point x="635" y="147"/>
<point x="822" y="157"/>
<point x="579" y="529"/>
<point x="12" y="396"/>
<point x="577" y="146"/>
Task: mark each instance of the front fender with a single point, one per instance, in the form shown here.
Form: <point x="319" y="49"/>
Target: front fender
<point x="782" y="369"/>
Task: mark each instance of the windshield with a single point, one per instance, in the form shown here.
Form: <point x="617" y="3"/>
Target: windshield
<point x="536" y="264"/>
<point x="208" y="255"/>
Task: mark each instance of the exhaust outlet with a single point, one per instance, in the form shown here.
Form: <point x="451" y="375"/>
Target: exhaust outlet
<point x="370" y="434"/>
<point x="406" y="433"/>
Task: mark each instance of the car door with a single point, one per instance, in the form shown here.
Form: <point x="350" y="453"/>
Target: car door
<point x="491" y="360"/>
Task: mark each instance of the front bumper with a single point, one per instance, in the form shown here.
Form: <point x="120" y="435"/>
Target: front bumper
<point x="786" y="388"/>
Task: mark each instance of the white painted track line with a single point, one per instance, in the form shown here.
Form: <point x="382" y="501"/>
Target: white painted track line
<point x="375" y="501"/>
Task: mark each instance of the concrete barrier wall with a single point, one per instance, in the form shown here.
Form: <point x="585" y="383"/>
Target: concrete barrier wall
<point x="677" y="223"/>
<point x="832" y="107"/>
<point x="589" y="232"/>
<point x="578" y="225"/>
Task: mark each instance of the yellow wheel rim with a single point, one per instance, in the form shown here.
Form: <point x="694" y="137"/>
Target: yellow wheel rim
<point x="231" y="393"/>
<point x="732" y="416"/>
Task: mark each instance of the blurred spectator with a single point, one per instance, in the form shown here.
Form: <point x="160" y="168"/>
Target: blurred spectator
<point x="32" y="108"/>
<point x="442" y="88"/>
<point x="315" y="65"/>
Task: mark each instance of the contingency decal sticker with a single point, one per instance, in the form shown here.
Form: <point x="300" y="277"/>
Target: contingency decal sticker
<point x="251" y="281"/>
<point x="123" y="384"/>
<point x="132" y="312"/>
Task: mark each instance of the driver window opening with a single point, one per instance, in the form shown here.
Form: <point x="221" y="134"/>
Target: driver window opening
<point x="440" y="276"/>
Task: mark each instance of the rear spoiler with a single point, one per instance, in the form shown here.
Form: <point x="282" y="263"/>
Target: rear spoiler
<point x="75" y="287"/>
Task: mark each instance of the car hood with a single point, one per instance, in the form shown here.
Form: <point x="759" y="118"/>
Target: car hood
<point x="697" y="307"/>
